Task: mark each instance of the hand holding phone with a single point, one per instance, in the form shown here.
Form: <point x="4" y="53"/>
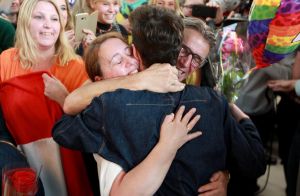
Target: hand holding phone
<point x="203" y="11"/>
<point x="85" y="21"/>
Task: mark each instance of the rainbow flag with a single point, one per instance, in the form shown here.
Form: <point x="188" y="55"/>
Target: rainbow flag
<point x="274" y="30"/>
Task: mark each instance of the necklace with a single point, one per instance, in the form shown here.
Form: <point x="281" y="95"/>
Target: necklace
<point x="101" y="31"/>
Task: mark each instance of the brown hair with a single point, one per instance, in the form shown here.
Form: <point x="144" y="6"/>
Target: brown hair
<point x="177" y="6"/>
<point x="92" y="65"/>
<point x="157" y="34"/>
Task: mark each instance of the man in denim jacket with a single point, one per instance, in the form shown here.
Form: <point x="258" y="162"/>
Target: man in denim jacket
<point x="123" y="126"/>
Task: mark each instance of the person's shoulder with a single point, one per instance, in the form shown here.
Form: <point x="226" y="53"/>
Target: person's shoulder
<point x="115" y="98"/>
<point x="74" y="65"/>
<point x="7" y="54"/>
<point x="126" y="92"/>
<point x="10" y="64"/>
<point x="6" y="25"/>
<point x="76" y="62"/>
<point x="120" y="96"/>
<point x="202" y="90"/>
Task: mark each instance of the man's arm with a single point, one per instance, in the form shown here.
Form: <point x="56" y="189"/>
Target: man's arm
<point x="83" y="131"/>
<point x="157" y="78"/>
<point x="246" y="152"/>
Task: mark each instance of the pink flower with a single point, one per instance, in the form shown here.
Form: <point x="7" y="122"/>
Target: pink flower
<point x="232" y="44"/>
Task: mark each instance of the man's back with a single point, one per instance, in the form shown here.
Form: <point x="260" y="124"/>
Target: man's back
<point x="133" y="130"/>
<point x="123" y="127"/>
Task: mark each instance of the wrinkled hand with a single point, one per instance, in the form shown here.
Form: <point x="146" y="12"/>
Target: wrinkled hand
<point x="88" y="38"/>
<point x="282" y="85"/>
<point x="174" y="131"/>
<point x="54" y="89"/>
<point x="161" y="78"/>
<point x="217" y="186"/>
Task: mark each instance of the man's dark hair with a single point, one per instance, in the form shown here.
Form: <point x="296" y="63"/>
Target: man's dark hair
<point x="157" y="34"/>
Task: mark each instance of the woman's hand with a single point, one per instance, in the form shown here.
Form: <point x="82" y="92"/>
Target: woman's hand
<point x="70" y="35"/>
<point x="174" y="131"/>
<point x="282" y="85"/>
<point x="161" y="78"/>
<point x="54" y="89"/>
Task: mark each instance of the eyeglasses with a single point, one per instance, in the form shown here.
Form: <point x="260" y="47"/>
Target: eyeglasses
<point x="197" y="61"/>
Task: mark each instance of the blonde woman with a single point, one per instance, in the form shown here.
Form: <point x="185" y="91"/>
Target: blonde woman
<point x="107" y="12"/>
<point x="41" y="50"/>
<point x="170" y="4"/>
<point x="67" y="21"/>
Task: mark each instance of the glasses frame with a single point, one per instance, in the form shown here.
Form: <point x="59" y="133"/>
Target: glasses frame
<point x="197" y="60"/>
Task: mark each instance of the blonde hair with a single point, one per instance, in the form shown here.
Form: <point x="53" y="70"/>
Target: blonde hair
<point x="27" y="46"/>
<point x="177" y="6"/>
<point x="84" y="6"/>
<point x="70" y="23"/>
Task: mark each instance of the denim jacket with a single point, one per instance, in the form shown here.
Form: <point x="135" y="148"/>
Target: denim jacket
<point x="123" y="127"/>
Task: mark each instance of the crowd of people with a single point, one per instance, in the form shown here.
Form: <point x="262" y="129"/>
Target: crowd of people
<point x="133" y="108"/>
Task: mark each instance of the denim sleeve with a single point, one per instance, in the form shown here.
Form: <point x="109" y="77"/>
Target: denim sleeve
<point x="245" y="149"/>
<point x="81" y="132"/>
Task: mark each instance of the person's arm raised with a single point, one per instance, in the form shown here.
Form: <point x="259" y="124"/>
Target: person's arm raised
<point x="147" y="177"/>
<point x="158" y="78"/>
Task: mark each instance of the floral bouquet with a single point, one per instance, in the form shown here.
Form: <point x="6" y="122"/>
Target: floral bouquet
<point x="234" y="63"/>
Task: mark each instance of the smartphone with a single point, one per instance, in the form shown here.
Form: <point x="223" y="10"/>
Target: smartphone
<point x="85" y="21"/>
<point x="203" y="11"/>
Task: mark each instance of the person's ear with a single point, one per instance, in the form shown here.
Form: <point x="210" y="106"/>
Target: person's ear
<point x="98" y="78"/>
<point x="136" y="53"/>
